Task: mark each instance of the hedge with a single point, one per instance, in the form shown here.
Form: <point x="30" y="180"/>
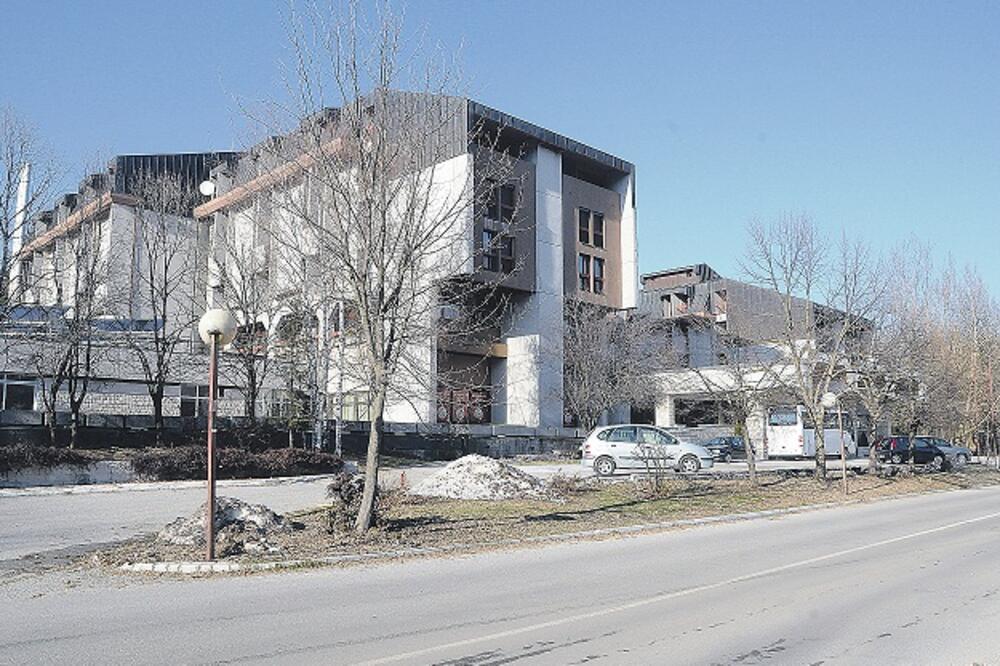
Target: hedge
<point x="21" y="456"/>
<point x="189" y="462"/>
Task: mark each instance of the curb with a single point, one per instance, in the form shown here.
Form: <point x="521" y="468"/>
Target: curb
<point x="145" y="486"/>
<point x="234" y="567"/>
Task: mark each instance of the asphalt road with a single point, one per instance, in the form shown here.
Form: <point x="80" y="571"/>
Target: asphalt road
<point x="908" y="581"/>
<point x="51" y="522"/>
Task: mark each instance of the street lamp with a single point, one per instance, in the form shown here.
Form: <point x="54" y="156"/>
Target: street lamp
<point x="831" y="400"/>
<point x="216" y="328"/>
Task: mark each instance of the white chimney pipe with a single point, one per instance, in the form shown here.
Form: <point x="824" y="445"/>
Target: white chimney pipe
<point x="17" y="233"/>
<point x="21" y="211"/>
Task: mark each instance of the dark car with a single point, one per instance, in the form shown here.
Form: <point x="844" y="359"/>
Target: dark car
<point x="724" y="449"/>
<point x="897" y="451"/>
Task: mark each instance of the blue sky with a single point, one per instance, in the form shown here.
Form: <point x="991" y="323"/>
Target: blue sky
<point x="879" y="118"/>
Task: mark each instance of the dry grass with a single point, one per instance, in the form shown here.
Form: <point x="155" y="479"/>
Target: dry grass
<point x="431" y="523"/>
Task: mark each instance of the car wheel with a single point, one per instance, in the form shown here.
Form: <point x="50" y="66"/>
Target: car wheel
<point x="938" y="462"/>
<point x="962" y="459"/>
<point x="728" y="458"/>
<point x="897" y="458"/>
<point x="604" y="466"/>
<point x="689" y="464"/>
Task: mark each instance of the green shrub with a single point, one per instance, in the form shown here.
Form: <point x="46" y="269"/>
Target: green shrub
<point x="21" y="456"/>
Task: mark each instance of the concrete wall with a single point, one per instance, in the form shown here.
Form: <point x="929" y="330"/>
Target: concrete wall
<point x="534" y="345"/>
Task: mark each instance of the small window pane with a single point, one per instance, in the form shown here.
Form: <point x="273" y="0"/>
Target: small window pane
<point x="598" y="228"/>
<point x="584" y="272"/>
<point x="598" y="275"/>
<point x="584" y="224"/>
<point x="507" y="196"/>
<point x="20" y="396"/>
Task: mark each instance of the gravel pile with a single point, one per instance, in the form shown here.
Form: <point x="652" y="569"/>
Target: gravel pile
<point x="476" y="477"/>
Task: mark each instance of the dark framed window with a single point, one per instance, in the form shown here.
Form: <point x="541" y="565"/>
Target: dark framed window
<point x="583" y="269"/>
<point x="507" y="204"/>
<point x="194" y="399"/>
<point x="498" y="252"/>
<point x="597" y="228"/>
<point x="598" y="275"/>
<point x="491" y="258"/>
<point x="507" y="253"/>
<point x="583" y="223"/>
<point x="19" y="396"/>
<point x="501" y="202"/>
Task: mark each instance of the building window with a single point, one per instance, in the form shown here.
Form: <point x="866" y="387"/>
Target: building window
<point x="598" y="275"/>
<point x="583" y="268"/>
<point x="194" y="399"/>
<point x="354" y="406"/>
<point x="18" y="393"/>
<point x="507" y="254"/>
<point x="491" y="259"/>
<point x="597" y="223"/>
<point x="500" y="202"/>
<point x="584" y="225"/>
<point x="498" y="252"/>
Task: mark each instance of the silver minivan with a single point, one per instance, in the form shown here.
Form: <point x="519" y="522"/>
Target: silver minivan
<point x="633" y="446"/>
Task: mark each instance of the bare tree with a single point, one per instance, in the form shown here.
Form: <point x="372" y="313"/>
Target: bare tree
<point x="609" y="356"/>
<point x="827" y="293"/>
<point x="381" y="195"/>
<point x="26" y="178"/>
<point x="248" y="290"/>
<point x="63" y="349"/>
<point x="162" y="283"/>
<point x="749" y="376"/>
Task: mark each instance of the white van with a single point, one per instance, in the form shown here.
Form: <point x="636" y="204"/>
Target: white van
<point x="790" y="434"/>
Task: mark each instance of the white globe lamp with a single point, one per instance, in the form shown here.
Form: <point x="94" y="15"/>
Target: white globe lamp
<point x="218" y="324"/>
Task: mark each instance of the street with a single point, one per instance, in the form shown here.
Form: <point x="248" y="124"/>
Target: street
<point x="905" y="581"/>
<point x="68" y="520"/>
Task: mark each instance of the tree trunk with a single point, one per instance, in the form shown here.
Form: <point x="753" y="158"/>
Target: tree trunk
<point x="366" y="513"/>
<point x="157" y="398"/>
<point x="751" y="458"/>
<point x="819" y="427"/>
<point x="74" y="429"/>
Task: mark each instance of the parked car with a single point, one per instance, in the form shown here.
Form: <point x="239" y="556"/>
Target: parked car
<point x="726" y="449"/>
<point x="897" y="451"/>
<point x="632" y="446"/>
<point x="960" y="455"/>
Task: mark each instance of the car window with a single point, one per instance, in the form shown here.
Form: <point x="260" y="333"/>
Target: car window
<point x="653" y="436"/>
<point x="604" y="434"/>
<point x="625" y="434"/>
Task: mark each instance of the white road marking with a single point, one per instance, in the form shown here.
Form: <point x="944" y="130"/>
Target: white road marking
<point x="639" y="603"/>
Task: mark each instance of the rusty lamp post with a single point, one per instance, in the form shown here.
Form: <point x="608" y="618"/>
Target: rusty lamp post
<point x="217" y="328"/>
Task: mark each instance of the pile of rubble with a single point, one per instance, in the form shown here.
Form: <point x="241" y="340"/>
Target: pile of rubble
<point x="239" y="527"/>
<point x="476" y="477"/>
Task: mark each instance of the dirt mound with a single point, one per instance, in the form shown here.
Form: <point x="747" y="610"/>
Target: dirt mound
<point x="477" y="477"/>
<point x="240" y="527"/>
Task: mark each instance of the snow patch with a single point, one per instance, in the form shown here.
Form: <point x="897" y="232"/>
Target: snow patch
<point x="476" y="477"/>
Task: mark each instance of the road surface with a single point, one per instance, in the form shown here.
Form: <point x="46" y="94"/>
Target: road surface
<point x="907" y="581"/>
<point x="49" y="522"/>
